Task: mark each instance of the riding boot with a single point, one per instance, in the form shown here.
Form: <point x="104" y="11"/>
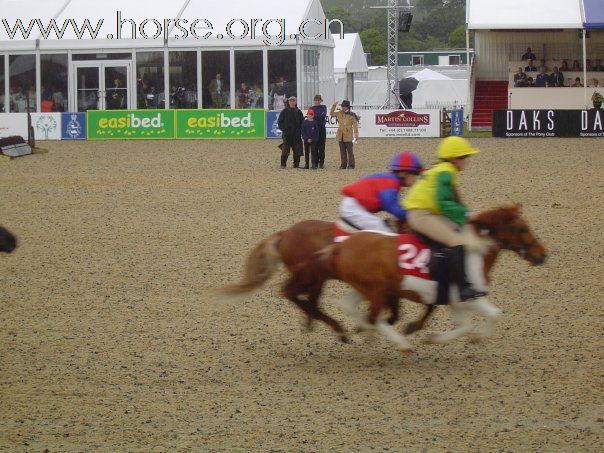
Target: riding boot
<point x="458" y="267"/>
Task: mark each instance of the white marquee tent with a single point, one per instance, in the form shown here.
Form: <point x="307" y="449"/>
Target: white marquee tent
<point x="350" y="64"/>
<point x="141" y="40"/>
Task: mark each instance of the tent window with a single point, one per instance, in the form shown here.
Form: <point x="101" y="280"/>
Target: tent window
<point x="249" y="79"/>
<point x="281" y="77"/>
<point x="100" y="56"/>
<point x="22" y="82"/>
<point x="2" y="94"/>
<point x="311" y="76"/>
<point x="215" y="79"/>
<point x="417" y="60"/>
<point x="53" y="68"/>
<point x="454" y="60"/>
<point x="183" y="80"/>
<point x="150" y="80"/>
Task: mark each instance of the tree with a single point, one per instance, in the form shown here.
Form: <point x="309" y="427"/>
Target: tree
<point x="457" y="38"/>
<point x="345" y="16"/>
<point x="375" y="44"/>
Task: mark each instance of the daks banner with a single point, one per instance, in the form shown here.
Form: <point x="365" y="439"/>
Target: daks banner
<point x="548" y="123"/>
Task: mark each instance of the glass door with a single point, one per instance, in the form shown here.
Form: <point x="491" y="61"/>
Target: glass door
<point x="116" y="87"/>
<point x="102" y="86"/>
<point x="88" y="83"/>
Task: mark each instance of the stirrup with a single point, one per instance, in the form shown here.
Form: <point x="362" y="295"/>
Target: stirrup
<point x="470" y="293"/>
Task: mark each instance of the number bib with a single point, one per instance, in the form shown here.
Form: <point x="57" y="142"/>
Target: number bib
<point x="413" y="256"/>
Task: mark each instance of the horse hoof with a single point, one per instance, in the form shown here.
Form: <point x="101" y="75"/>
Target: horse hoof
<point x="406" y="350"/>
<point x="430" y="339"/>
<point x="344" y="339"/>
<point x="476" y="338"/>
<point x="410" y="328"/>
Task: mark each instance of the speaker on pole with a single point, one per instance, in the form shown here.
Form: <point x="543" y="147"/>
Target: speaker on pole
<point x="404" y="21"/>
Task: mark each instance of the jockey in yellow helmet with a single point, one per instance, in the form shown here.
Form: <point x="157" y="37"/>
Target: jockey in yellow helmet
<point x="435" y="210"/>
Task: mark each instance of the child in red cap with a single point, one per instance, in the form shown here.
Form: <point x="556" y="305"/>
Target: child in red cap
<point x="310" y="137"/>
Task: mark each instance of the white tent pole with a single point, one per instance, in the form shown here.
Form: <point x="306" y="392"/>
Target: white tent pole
<point x="584" y="68"/>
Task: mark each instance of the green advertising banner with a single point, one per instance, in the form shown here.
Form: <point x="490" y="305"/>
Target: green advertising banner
<point x="130" y="124"/>
<point x="220" y="124"/>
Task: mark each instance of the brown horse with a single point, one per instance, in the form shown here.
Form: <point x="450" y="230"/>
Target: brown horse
<point x="368" y="262"/>
<point x="291" y="247"/>
<point x="8" y="242"/>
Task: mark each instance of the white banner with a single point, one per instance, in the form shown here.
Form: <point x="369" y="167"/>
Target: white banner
<point x="13" y="124"/>
<point x="393" y="123"/>
<point x="47" y="126"/>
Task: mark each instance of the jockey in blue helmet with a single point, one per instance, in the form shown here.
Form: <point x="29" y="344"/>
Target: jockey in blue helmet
<point x="379" y="192"/>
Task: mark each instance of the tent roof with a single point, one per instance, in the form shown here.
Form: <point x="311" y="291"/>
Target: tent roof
<point x="217" y="14"/>
<point x="428" y="74"/>
<point x="348" y="54"/>
<point x="523" y="14"/>
<point x="594" y="13"/>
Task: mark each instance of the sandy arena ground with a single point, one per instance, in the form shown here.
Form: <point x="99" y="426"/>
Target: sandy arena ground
<point x="110" y="339"/>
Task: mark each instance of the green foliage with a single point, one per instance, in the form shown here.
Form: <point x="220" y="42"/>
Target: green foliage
<point x="375" y="44"/>
<point x="436" y="24"/>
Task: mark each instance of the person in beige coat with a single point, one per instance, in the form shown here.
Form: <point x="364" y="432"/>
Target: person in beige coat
<point x="348" y="133"/>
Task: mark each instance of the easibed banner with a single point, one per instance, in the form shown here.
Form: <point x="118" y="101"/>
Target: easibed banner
<point x="548" y="123"/>
<point x="237" y="124"/>
<point x="130" y="124"/>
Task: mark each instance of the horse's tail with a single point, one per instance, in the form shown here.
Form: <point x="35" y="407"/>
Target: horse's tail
<point x="261" y="264"/>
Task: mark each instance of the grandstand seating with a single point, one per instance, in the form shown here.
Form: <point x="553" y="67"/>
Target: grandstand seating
<point x="489" y="95"/>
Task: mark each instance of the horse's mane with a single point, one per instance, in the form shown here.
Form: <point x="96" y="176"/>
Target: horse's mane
<point x="496" y="216"/>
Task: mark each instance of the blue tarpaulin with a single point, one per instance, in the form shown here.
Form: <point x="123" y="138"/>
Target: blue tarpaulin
<point x="594" y="13"/>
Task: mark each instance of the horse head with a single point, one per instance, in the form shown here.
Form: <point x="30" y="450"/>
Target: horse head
<point x="509" y="229"/>
<point x="8" y="242"/>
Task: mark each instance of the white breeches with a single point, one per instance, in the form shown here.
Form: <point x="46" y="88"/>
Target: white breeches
<point x="355" y="213"/>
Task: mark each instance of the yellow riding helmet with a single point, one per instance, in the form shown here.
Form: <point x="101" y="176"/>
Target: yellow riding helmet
<point x="453" y="147"/>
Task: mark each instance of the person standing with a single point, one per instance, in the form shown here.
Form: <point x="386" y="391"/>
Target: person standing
<point x="310" y="137"/>
<point x="348" y="133"/>
<point x="217" y="89"/>
<point x="321" y="118"/>
<point x="290" y="123"/>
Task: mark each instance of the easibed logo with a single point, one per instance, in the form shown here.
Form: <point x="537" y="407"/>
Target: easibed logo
<point x="221" y="120"/>
<point x="403" y="119"/>
<point x="131" y="121"/>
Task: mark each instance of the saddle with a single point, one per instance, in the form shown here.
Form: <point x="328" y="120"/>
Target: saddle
<point x="418" y="256"/>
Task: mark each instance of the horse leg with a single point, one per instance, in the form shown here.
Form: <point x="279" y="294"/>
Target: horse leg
<point x="378" y="303"/>
<point x="491" y="314"/>
<point x="310" y="306"/>
<point x="414" y="326"/>
<point x="393" y="300"/>
<point x="350" y="305"/>
<point x="461" y="315"/>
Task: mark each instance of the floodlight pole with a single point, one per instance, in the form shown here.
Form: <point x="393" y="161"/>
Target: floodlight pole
<point x="394" y="9"/>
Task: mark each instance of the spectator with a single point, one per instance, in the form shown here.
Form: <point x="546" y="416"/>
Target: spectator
<point x="564" y="66"/>
<point x="541" y="79"/>
<point x="243" y="96"/>
<point x="310" y="137"/>
<point x="577" y="82"/>
<point x="597" y="66"/>
<point x="556" y="78"/>
<point x="290" y="123"/>
<point x="576" y="66"/>
<point x="595" y="83"/>
<point x="348" y="133"/>
<point x="588" y="65"/>
<point x="529" y="55"/>
<point x="321" y="119"/>
<point x="520" y="78"/>
<point x="529" y="82"/>
<point x="530" y="66"/>
<point x="543" y="65"/>
<point x="217" y="88"/>
<point x="115" y="96"/>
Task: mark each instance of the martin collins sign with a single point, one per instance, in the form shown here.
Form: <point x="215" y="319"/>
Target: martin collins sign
<point x="548" y="123"/>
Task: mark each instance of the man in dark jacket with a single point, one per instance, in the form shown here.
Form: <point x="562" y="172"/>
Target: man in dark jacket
<point x="290" y="123"/>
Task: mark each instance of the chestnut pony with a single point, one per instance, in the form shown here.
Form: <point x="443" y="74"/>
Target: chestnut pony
<point x="291" y="247"/>
<point x="368" y="262"/>
<point x="8" y="242"/>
